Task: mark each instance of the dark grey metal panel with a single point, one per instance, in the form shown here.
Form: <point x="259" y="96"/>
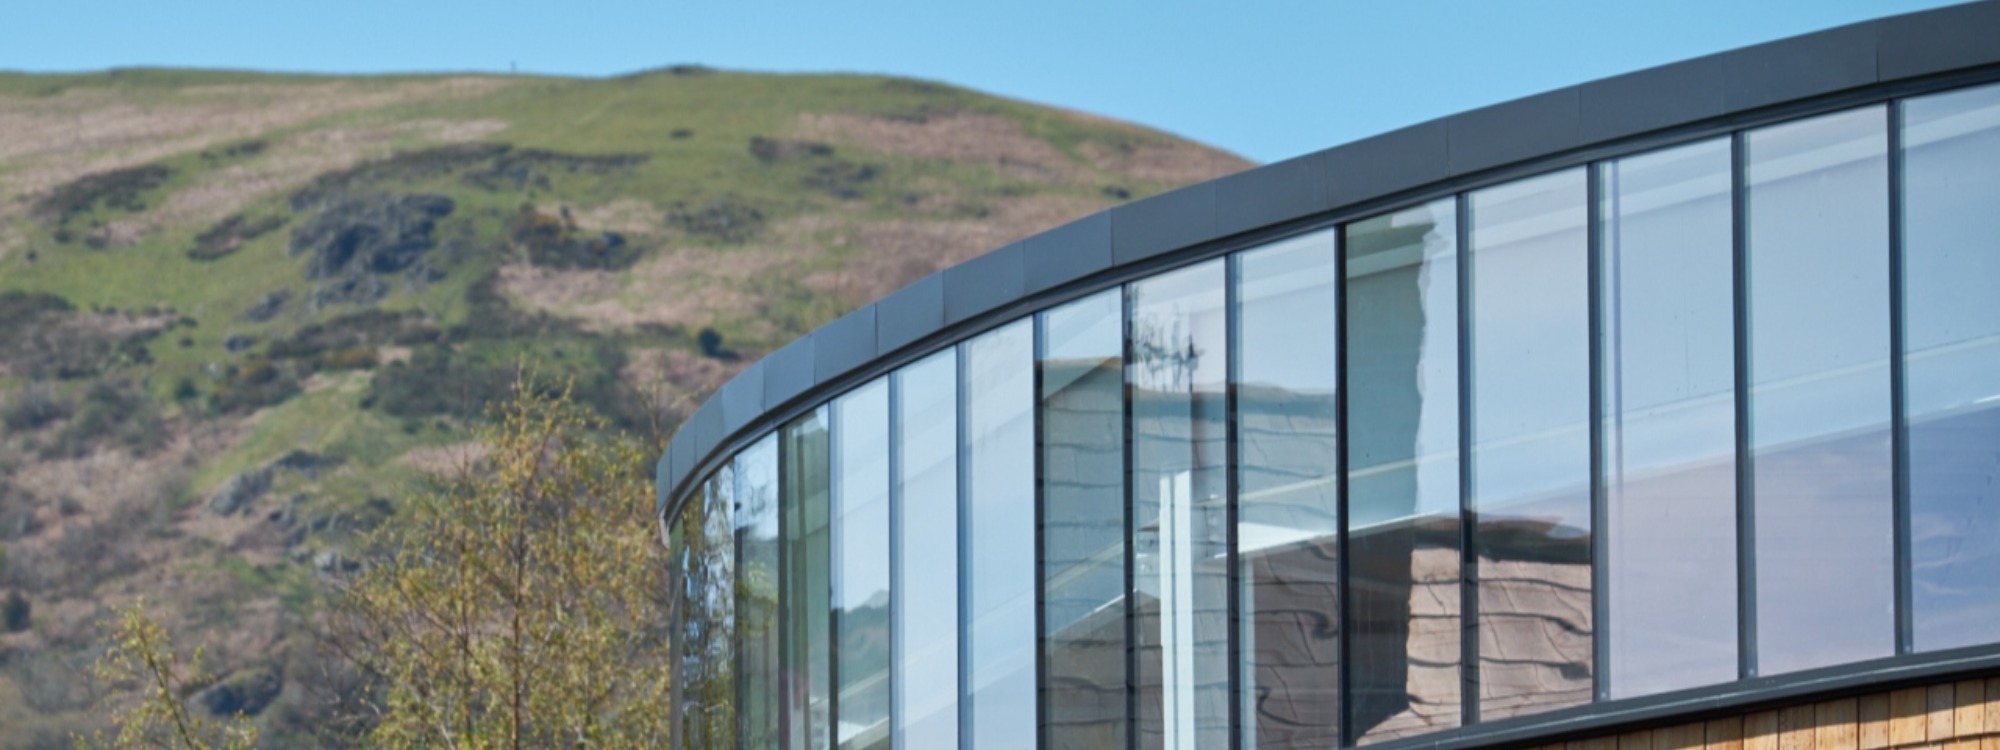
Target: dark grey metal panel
<point x="1514" y="131"/>
<point x="682" y="452"/>
<point x="984" y="283"/>
<point x="706" y="427"/>
<point x="1168" y="221"/>
<point x="911" y="313"/>
<point x="742" y="398"/>
<point x="1068" y="252"/>
<point x="788" y="372"/>
<point x="1270" y="194"/>
<point x="663" y="477"/>
<point x="1388" y="163"/>
<point x="1651" y="99"/>
<point x="1961" y="36"/>
<point x="1802" y="66"/>
<point x="846" y="343"/>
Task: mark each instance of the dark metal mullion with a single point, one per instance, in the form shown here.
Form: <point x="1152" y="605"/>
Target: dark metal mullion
<point x="1899" y="389"/>
<point x="784" y="578"/>
<point x="1468" y="580"/>
<point x="898" y="599"/>
<point x="1232" y="455"/>
<point x="1342" y="597"/>
<point x="1131" y="610"/>
<point x="1039" y="348"/>
<point x="1600" y="576"/>
<point x="1746" y="501"/>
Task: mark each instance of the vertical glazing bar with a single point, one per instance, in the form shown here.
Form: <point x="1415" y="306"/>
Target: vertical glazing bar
<point x="1468" y="608"/>
<point x="834" y="532"/>
<point x="1131" y="608"/>
<point x="786" y="657"/>
<point x="1345" y="621"/>
<point x="1899" y="423"/>
<point x="1040" y="348"/>
<point x="1233" y="320"/>
<point x="1600" y="593"/>
<point x="897" y="596"/>
<point x="1746" y="502"/>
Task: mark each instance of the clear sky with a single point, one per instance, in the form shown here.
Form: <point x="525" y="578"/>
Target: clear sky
<point x="1267" y="80"/>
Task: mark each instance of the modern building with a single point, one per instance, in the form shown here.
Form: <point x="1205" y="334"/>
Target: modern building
<point x="1658" y="411"/>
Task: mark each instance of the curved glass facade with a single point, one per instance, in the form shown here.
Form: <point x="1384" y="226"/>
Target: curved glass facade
<point x="1680" y="417"/>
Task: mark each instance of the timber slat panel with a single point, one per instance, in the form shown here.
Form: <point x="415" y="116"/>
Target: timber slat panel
<point x="1906" y="717"/>
<point x="1938" y="717"/>
<point x="1760" y="731"/>
<point x="1835" y="728"/>
<point x="1873" y="713"/>
<point x="1727" y="734"/>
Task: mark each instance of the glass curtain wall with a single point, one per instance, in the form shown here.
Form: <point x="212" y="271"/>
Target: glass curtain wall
<point x="756" y="507"/>
<point x="925" y="523"/>
<point x="861" y="567"/>
<point x="1403" y="533"/>
<point x="708" y="622"/>
<point x="999" y="538"/>
<point x="1817" y="210"/>
<point x="1288" y="500"/>
<point x="1951" y="356"/>
<point x="1667" y="346"/>
<point x="1177" y="371"/>
<point x="1082" y="444"/>
<point x="1528" y="258"/>
<point x="808" y="646"/>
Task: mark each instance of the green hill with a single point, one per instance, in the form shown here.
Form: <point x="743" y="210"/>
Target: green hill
<point x="242" y="314"/>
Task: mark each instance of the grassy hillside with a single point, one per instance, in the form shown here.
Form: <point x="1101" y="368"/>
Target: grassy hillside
<point x="241" y="315"/>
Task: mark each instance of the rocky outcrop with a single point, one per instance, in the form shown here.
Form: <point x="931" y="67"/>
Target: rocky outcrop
<point x="245" y="692"/>
<point x="355" y="241"/>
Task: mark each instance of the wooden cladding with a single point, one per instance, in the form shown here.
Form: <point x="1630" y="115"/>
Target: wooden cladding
<point x="1963" y="715"/>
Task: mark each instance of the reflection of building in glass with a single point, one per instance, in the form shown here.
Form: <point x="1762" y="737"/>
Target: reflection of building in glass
<point x="1596" y="412"/>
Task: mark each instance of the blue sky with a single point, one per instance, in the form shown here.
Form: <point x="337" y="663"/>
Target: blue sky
<point x="1267" y="80"/>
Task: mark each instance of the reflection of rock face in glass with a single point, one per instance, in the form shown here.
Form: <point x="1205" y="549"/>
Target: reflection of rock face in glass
<point x="1530" y="463"/>
<point x="861" y="566"/>
<point x="707" y="673"/>
<point x="1402" y="456"/>
<point x="1288" y="509"/>
<point x="1817" y="211"/>
<point x="1082" y="445"/>
<point x="1180" y="535"/>
<point x="808" y="562"/>
<point x="926" y="441"/>
<point x="757" y="694"/>
<point x="1667" y="341"/>
<point x="1951" y="172"/>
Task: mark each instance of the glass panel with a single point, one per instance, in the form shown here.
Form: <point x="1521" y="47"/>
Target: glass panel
<point x="861" y="565"/>
<point x="1180" y="535"/>
<point x="1288" y="507"/>
<point x="1083" y="523"/>
<point x="1818" y="210"/>
<point x="1402" y="481"/>
<point x="1669" y="410"/>
<point x="1530" y="462"/>
<point x="1951" y="265"/>
<point x="807" y="561"/>
<point x="926" y="583"/>
<point x="999" y="538"/>
<point x="708" y="627"/>
<point x="756" y="498"/>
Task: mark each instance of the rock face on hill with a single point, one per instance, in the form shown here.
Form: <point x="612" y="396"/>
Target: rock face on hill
<point x="243" y="318"/>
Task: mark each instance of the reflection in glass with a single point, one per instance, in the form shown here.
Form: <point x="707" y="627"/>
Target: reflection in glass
<point x="756" y="508"/>
<point x="926" y="525"/>
<point x="1402" y="458"/>
<point x="807" y="561"/>
<point x="1669" y="410"/>
<point x="1288" y="511"/>
<point x="1083" y="523"/>
<point x="1530" y="462"/>
<point x="1180" y="536"/>
<point x="1817" y="210"/>
<point x="999" y="539"/>
<point x="1951" y="268"/>
<point x="708" y="623"/>
<point x="861" y="566"/>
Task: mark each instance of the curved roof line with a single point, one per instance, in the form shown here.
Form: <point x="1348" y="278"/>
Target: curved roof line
<point x="954" y="304"/>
